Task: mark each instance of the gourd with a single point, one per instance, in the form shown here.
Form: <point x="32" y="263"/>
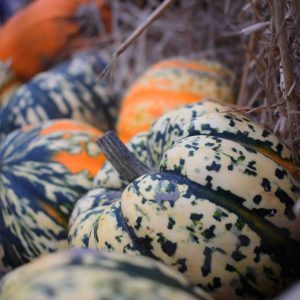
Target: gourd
<point x="88" y="274"/>
<point x="167" y="85"/>
<point x="36" y="36"/>
<point x="70" y="90"/>
<point x="215" y="202"/>
<point x="43" y="171"/>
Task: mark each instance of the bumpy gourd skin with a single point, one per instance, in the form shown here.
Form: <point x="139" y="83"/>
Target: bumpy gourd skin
<point x="87" y="274"/>
<point x="43" y="172"/>
<point x="244" y="226"/>
<point x="219" y="209"/>
<point x="70" y="90"/>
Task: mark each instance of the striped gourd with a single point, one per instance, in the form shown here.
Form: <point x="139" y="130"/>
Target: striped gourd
<point x="71" y="90"/>
<point x="88" y="274"/>
<point x="218" y="207"/>
<point x="168" y="84"/>
<point x="43" y="171"/>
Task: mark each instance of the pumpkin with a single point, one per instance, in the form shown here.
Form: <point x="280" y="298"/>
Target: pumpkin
<point x="167" y="85"/>
<point x="44" y="170"/>
<point x="218" y="207"/>
<point x="88" y="274"/>
<point x="70" y="90"/>
<point x="37" y="35"/>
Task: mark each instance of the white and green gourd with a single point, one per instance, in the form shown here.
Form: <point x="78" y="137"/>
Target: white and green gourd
<point x="212" y="196"/>
<point x="94" y="275"/>
<point x="71" y="90"/>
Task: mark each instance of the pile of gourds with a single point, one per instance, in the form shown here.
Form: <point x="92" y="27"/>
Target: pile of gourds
<point x="199" y="204"/>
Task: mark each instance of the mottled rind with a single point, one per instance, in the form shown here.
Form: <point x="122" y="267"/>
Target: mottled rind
<point x="213" y="119"/>
<point x="87" y="274"/>
<point x="43" y="172"/>
<point x="214" y="214"/>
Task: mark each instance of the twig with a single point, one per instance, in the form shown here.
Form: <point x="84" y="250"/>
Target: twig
<point x="142" y="28"/>
<point x="248" y="110"/>
<point x="291" y="89"/>
<point x="255" y="10"/>
<point x="110" y="67"/>
<point x="243" y="94"/>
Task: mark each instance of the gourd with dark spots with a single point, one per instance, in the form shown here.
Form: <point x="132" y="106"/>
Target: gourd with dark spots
<point x="94" y="275"/>
<point x="43" y="172"/>
<point x="212" y="196"/>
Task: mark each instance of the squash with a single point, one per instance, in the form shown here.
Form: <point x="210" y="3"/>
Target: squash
<point x="87" y="212"/>
<point x="88" y="274"/>
<point x="70" y="90"/>
<point x="215" y="201"/>
<point x="36" y="36"/>
<point x="167" y="85"/>
<point x="43" y="172"/>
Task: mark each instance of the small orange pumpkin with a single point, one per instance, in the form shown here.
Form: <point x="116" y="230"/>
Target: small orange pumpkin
<point x="34" y="38"/>
<point x="167" y="85"/>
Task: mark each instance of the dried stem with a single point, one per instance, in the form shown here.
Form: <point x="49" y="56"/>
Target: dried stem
<point x="128" y="166"/>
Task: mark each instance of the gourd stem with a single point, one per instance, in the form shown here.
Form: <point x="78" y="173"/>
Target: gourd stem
<point x="128" y="166"/>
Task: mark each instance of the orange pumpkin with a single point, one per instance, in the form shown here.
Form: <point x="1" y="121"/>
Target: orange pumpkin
<point x="167" y="85"/>
<point x="34" y="38"/>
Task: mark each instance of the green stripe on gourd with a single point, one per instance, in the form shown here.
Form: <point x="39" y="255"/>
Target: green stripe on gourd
<point x="87" y="274"/>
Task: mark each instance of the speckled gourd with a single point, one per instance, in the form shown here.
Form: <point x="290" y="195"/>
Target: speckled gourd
<point x="88" y="274"/>
<point x="215" y="202"/>
<point x="43" y="171"/>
